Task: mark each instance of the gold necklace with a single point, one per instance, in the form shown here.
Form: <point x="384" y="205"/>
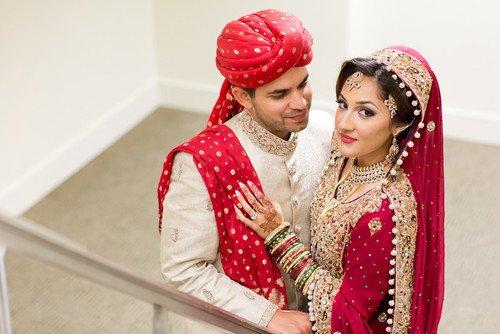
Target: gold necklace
<point x="357" y="176"/>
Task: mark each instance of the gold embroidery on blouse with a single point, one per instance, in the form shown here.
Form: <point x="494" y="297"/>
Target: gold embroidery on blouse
<point x="325" y="289"/>
<point x="330" y="231"/>
<point x="264" y="139"/>
<point x="330" y="234"/>
<point x="374" y="225"/>
<point x="401" y="196"/>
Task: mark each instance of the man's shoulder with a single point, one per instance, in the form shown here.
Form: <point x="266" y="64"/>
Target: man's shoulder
<point x="321" y="123"/>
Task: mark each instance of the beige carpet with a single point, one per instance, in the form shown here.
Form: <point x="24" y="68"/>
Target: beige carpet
<point x="110" y="207"/>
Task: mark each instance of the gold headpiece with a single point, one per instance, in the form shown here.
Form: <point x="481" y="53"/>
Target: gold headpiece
<point x="354" y="81"/>
<point x="411" y="71"/>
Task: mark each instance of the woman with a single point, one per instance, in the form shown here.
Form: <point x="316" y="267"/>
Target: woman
<point x="377" y="255"/>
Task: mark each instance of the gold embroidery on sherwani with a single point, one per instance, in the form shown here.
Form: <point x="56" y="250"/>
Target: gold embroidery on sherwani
<point x="264" y="139"/>
<point x="401" y="195"/>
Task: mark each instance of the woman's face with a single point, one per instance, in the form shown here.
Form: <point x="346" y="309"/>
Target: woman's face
<point x="363" y="122"/>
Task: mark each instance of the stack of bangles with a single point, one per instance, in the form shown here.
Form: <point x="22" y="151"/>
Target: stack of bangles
<point x="292" y="256"/>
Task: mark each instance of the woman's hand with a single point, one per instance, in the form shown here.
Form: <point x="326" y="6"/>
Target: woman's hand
<point x="265" y="215"/>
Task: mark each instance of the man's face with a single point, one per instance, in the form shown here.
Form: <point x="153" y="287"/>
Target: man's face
<point x="282" y="106"/>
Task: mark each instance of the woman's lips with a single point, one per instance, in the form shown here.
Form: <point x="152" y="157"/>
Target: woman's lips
<point x="347" y="139"/>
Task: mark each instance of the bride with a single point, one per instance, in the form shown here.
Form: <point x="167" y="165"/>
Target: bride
<point x="376" y="261"/>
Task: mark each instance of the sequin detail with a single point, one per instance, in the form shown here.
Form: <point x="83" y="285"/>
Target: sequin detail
<point x="374" y="225"/>
<point x="268" y="314"/>
<point x="410" y="70"/>
<point x="330" y="231"/>
<point x="431" y="126"/>
<point x="400" y="194"/>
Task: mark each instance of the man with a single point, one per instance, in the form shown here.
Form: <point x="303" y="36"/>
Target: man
<point x="260" y="130"/>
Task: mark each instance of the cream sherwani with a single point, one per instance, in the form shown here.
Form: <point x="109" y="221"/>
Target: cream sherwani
<point x="288" y="172"/>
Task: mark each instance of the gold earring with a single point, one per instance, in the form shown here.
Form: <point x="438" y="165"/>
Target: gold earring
<point x="391" y="104"/>
<point x="393" y="151"/>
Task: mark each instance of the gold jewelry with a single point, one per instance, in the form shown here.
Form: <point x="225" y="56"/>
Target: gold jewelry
<point x="393" y="151"/>
<point x="354" y="81"/>
<point x="391" y="104"/>
<point x="358" y="176"/>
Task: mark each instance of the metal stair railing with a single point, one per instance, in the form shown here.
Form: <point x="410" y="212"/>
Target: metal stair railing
<point x="26" y="237"/>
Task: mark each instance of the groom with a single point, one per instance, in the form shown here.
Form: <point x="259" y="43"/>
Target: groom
<point x="260" y="129"/>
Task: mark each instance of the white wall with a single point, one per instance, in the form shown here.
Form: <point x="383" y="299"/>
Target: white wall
<point x="458" y="38"/>
<point x="75" y="75"/>
<point x="187" y="32"/>
<point x="461" y="40"/>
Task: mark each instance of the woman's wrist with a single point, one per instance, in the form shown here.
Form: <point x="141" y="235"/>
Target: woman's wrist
<point x="276" y="231"/>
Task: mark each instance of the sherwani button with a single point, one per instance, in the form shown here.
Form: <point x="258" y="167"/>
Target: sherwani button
<point x="295" y="200"/>
<point x="292" y="170"/>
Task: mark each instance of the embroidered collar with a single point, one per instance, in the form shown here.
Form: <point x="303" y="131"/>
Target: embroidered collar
<point x="264" y="139"/>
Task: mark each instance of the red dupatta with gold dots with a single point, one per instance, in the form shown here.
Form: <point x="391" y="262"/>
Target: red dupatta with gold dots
<point x="223" y="163"/>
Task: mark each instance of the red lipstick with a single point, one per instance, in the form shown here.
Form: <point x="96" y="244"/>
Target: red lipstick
<point x="347" y="139"/>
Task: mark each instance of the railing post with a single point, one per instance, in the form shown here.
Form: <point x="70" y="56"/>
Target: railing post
<point x="6" y="326"/>
<point x="160" y="320"/>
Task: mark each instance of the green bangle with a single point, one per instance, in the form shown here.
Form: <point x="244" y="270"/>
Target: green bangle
<point x="305" y="276"/>
<point x="278" y="238"/>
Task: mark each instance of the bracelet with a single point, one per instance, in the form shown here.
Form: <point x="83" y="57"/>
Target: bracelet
<point x="306" y="275"/>
<point x="278" y="238"/>
<point x="273" y="233"/>
<point x="289" y="247"/>
<point x="310" y="280"/>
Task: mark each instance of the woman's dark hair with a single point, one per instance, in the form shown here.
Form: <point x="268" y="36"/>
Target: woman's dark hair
<point x="388" y="86"/>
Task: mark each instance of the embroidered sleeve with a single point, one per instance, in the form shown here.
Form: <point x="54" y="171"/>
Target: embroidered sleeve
<point x="350" y="302"/>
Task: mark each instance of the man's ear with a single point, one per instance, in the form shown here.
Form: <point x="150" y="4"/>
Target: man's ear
<point x="242" y="97"/>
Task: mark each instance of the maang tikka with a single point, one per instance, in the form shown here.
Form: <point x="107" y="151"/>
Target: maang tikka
<point x="354" y="81"/>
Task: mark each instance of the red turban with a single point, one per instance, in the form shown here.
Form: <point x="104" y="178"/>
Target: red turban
<point x="255" y="50"/>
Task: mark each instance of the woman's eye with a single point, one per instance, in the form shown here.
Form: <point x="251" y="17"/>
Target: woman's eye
<point x="342" y="104"/>
<point x="366" y="113"/>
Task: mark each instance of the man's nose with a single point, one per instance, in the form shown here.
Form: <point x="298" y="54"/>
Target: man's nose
<point x="298" y="101"/>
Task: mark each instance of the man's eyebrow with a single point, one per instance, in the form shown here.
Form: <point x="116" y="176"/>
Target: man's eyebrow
<point x="305" y="79"/>
<point x="284" y="90"/>
<point x="279" y="91"/>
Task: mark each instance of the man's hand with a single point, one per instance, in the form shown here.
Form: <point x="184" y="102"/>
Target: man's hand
<point x="290" y="322"/>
